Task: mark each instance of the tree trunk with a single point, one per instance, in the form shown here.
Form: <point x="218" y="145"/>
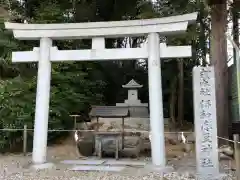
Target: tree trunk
<point x="202" y="34"/>
<point x="180" y="93"/>
<point x="235" y="29"/>
<point x="219" y="61"/>
<point x="172" y="103"/>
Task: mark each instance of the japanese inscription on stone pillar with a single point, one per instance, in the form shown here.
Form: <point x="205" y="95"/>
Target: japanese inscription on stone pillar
<point x="205" y="121"/>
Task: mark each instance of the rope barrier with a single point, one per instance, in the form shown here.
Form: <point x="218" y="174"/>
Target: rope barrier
<point x="134" y="131"/>
<point x="227" y="139"/>
<point x="70" y="130"/>
<point x="50" y="130"/>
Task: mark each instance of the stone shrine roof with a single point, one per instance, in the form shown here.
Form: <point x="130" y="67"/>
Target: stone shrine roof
<point x="132" y="84"/>
<point x="119" y="111"/>
<point x="109" y="111"/>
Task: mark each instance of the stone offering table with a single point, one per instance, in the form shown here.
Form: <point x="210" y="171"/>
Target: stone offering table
<point x="109" y="136"/>
<point x="115" y="138"/>
<point x="103" y="138"/>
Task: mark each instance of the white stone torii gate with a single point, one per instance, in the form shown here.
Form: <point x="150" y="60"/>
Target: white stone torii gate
<point x="98" y="31"/>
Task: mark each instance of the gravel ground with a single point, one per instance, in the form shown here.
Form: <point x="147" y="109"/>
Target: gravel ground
<point x="15" y="167"/>
<point x="67" y="175"/>
<point x="70" y="175"/>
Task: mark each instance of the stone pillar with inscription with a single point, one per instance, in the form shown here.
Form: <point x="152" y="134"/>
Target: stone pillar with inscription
<point x="205" y="123"/>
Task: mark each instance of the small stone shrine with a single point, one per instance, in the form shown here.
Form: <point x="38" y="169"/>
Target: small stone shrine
<point x="139" y="114"/>
<point x="137" y="120"/>
<point x="132" y="100"/>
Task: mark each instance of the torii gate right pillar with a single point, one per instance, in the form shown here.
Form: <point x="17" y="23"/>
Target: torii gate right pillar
<point x="155" y="101"/>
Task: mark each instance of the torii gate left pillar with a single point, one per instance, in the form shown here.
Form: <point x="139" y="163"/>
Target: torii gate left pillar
<point x="42" y="102"/>
<point x="98" y="32"/>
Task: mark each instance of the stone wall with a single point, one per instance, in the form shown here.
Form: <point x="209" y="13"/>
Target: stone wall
<point x="130" y="122"/>
<point x="133" y="124"/>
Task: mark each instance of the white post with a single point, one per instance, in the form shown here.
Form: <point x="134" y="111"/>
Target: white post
<point x="155" y="101"/>
<point x="42" y="102"/>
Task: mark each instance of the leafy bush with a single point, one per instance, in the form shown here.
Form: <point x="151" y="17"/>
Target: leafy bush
<point x="72" y="91"/>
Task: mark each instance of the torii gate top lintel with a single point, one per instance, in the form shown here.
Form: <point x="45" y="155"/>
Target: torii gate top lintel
<point x="166" y="25"/>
